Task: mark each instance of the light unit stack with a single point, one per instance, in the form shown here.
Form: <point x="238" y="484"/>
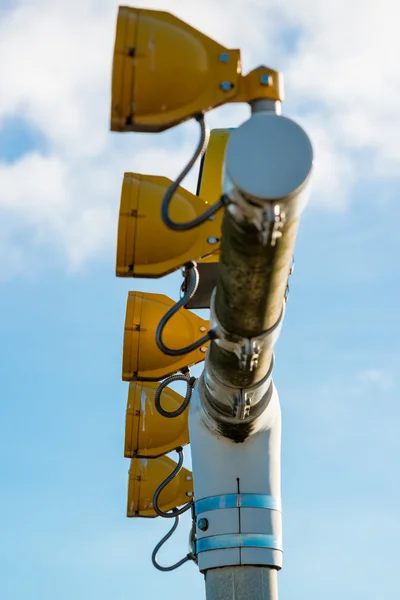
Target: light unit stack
<point x="234" y="241"/>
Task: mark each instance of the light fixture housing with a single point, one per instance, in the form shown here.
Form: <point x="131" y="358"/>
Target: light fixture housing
<point x="144" y="478"/>
<point x="147" y="432"/>
<point x="146" y="247"/>
<point x="165" y="72"/>
<point x="142" y="360"/>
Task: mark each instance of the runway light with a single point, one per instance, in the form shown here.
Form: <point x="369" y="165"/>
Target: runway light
<point x="144" y="478"/>
<point x="147" y="432"/>
<point x="142" y="360"/>
<point x="165" y="71"/>
<point x="148" y="248"/>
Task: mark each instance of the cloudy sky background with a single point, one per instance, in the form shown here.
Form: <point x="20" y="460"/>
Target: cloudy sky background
<point x="62" y="474"/>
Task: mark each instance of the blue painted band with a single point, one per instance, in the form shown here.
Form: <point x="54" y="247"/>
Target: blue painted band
<point x="239" y="540"/>
<point x="237" y="501"/>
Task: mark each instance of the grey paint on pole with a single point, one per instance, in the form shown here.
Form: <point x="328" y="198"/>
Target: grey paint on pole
<point x="242" y="583"/>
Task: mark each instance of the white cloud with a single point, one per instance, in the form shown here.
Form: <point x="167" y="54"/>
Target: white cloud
<point x="341" y="81"/>
<point x="346" y="61"/>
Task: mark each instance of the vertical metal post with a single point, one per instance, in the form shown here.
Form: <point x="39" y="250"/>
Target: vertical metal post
<point x="234" y="418"/>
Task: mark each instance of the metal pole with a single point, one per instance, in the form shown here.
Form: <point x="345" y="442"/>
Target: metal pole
<point x="242" y="583"/>
<point x="234" y="417"/>
<point x="250" y="289"/>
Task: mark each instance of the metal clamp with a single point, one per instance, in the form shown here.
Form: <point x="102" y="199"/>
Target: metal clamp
<point x="224" y="405"/>
<point x="237" y="501"/>
<point x="273" y="220"/>
<point x="268" y="218"/>
<point x="247" y="350"/>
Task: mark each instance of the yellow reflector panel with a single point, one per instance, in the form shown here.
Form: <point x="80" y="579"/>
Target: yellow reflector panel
<point x="211" y="169"/>
<point x="165" y="71"/>
<point x="142" y="360"/>
<point x="144" y="478"/>
<point x="148" y="248"/>
<point x="148" y="433"/>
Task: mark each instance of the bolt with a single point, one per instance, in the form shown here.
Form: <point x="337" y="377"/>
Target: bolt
<point x="203" y="349"/>
<point x="226" y="86"/>
<point x="202" y="328"/>
<point x="212" y="240"/>
<point x="224" y="57"/>
<point x="190" y="494"/>
<point x="265" y="80"/>
<point x="202" y="524"/>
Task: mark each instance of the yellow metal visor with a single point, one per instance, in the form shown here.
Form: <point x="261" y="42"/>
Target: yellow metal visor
<point x="144" y="478"/>
<point x="142" y="360"/>
<point x="165" y="71"/>
<point x="147" y="432"/>
<point x="148" y="248"/>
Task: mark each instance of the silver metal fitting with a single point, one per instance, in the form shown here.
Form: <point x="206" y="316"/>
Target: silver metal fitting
<point x="222" y="403"/>
<point x="246" y="349"/>
<point x="268" y="165"/>
<point x="272" y="224"/>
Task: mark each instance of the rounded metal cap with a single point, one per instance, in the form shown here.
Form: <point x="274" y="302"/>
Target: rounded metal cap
<point x="268" y="158"/>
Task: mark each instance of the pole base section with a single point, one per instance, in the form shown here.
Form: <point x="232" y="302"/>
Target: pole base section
<point x="242" y="583"/>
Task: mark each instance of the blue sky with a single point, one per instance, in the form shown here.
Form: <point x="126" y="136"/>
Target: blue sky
<point x="63" y="477"/>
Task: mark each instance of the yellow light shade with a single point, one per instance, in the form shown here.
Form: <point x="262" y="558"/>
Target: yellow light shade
<point x="148" y="248"/>
<point x="144" y="478"/>
<point x="147" y="432"/>
<point x="145" y="246"/>
<point x="209" y="184"/>
<point x="165" y="71"/>
<point x="142" y="360"/>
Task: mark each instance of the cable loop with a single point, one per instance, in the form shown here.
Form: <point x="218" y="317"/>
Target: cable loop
<point x="188" y="557"/>
<point x="175" y="511"/>
<point x="191" y="269"/>
<point x="201" y="148"/>
<point x="190" y="381"/>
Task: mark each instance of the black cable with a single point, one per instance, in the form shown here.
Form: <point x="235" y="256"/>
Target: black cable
<point x="161" y="542"/>
<point x="157" y="397"/>
<point x="201" y="148"/>
<point x="175" y="511"/>
<point x="191" y="290"/>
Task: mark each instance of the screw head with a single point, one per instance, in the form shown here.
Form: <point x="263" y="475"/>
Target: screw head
<point x="224" y="57"/>
<point x="226" y="86"/>
<point x="265" y="80"/>
<point x="212" y="240"/>
<point x="202" y="524"/>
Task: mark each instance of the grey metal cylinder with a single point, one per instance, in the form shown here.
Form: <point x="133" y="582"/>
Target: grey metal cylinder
<point x="249" y="296"/>
<point x="268" y="165"/>
<point x="242" y="583"/>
